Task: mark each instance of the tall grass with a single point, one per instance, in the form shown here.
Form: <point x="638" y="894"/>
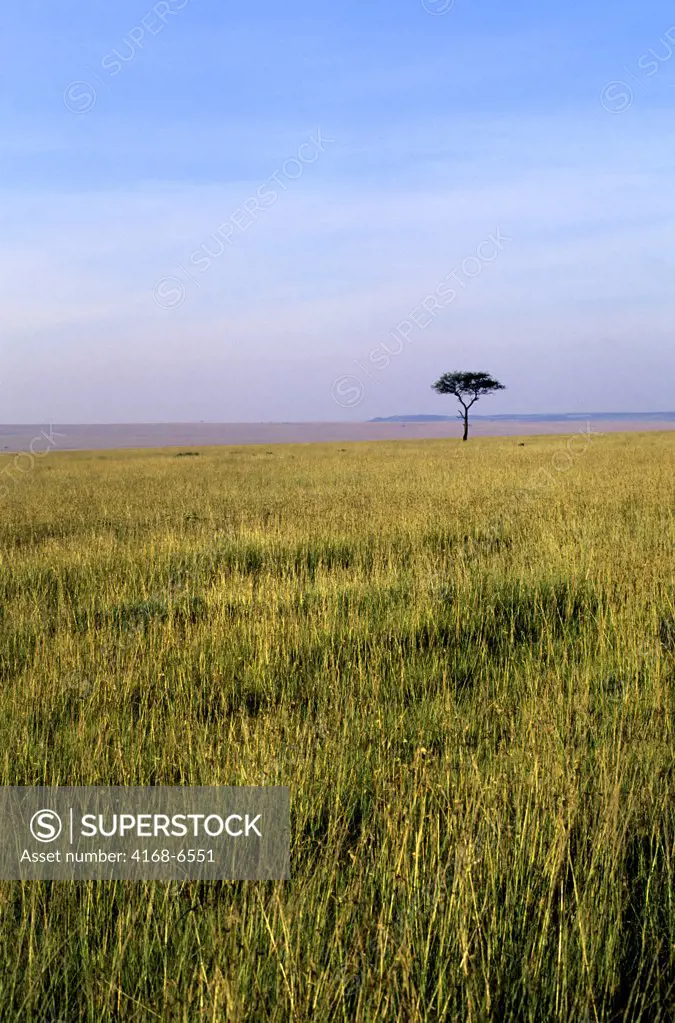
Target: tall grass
<point x="471" y="698"/>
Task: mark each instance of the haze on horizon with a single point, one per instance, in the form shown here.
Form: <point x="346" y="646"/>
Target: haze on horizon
<point x="397" y="139"/>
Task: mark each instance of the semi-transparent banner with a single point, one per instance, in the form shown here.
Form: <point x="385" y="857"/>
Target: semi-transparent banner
<point x="144" y="834"/>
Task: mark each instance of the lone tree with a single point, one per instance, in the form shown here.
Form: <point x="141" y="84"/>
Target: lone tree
<point x="467" y="388"/>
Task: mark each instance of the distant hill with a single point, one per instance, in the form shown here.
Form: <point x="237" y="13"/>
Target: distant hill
<point x="412" y="419"/>
<point x="533" y="418"/>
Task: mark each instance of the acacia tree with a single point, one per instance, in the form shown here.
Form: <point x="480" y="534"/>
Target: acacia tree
<point x="467" y="388"/>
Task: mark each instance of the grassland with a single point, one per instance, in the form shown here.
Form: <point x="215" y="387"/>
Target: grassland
<point x="471" y="696"/>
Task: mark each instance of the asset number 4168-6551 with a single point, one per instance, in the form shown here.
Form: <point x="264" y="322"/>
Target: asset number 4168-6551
<point x="166" y="856"/>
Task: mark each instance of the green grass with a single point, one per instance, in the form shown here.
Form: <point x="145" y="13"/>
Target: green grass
<point x="470" y="695"/>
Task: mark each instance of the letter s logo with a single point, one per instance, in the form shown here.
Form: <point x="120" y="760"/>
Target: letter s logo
<point x="45" y="825"/>
<point x="347" y="391"/>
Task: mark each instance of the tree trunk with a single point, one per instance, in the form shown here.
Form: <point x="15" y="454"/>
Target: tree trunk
<point x="466" y="424"/>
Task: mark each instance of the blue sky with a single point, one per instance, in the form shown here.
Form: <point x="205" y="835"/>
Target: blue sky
<point x="143" y="282"/>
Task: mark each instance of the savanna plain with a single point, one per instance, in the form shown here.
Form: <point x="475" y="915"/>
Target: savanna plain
<point x="467" y="682"/>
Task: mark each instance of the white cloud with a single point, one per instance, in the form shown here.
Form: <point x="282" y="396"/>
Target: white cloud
<point x="330" y="268"/>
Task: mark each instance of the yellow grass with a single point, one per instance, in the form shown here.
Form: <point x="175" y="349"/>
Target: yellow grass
<point x="469" y="689"/>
